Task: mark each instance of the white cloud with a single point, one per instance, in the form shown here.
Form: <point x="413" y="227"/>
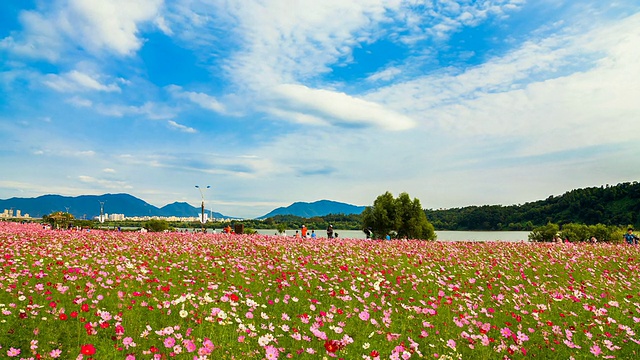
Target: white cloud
<point x="107" y="184"/>
<point x="180" y="127"/>
<point x="79" y="102"/>
<point x="150" y="110"/>
<point x="94" y="25"/>
<point x="552" y="94"/>
<point x="75" y="81"/>
<point x="278" y="43"/>
<point x="385" y="75"/>
<point x="203" y="100"/>
<point x="340" y="108"/>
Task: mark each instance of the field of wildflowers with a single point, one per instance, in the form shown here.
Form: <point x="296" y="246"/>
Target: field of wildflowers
<point x="112" y="295"/>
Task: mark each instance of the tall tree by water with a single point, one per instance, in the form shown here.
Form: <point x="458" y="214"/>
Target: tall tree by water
<point x="402" y="217"/>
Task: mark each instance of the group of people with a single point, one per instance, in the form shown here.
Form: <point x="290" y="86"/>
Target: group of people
<point x="305" y="234"/>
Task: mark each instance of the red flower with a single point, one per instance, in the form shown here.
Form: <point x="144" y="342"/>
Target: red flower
<point x="87" y="349"/>
<point x="119" y="330"/>
<point x="84" y="307"/>
<point x="74" y="314"/>
<point x="234" y="297"/>
<point x="53" y="304"/>
<point x="62" y="316"/>
<point x="153" y="349"/>
<point x="332" y="346"/>
<point x="374" y="353"/>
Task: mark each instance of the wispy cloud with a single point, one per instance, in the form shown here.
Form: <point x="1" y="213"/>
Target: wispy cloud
<point x="150" y="110"/>
<point x="205" y="101"/>
<point x="180" y="127"/>
<point x="104" y="183"/>
<point x="75" y="81"/>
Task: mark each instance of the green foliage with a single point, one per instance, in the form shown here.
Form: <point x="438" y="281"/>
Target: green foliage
<point x="544" y="233"/>
<point x="608" y="205"/>
<point x="249" y="231"/>
<point x="156" y="225"/>
<point x="578" y="232"/>
<point x="402" y="216"/>
<point x="59" y="219"/>
<point x="281" y="227"/>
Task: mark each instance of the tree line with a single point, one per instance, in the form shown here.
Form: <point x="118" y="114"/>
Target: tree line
<point x="617" y="205"/>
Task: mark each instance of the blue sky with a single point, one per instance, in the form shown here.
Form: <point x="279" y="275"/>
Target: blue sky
<point x="270" y="102"/>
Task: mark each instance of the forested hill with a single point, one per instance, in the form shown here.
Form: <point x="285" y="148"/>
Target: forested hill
<point x="609" y="205"/>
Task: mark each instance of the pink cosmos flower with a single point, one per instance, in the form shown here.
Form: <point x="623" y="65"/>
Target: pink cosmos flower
<point x="55" y="353"/>
<point x="13" y="352"/>
<point x="452" y="344"/>
<point x="595" y="350"/>
<point x="271" y="352"/>
<point x="506" y="332"/>
<point x="364" y="316"/>
<point x="190" y="345"/>
<point x="169" y="342"/>
<point x="522" y="337"/>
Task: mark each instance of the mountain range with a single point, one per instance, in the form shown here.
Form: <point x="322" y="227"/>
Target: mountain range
<point x="88" y="206"/>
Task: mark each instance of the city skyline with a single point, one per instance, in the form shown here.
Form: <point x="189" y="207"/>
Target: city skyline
<point x="457" y="103"/>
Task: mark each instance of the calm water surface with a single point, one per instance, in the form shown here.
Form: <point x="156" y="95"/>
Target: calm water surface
<point x="442" y="235"/>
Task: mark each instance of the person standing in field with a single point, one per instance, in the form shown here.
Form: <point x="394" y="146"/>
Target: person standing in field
<point x="630" y="237"/>
<point x="303" y="231"/>
<point x="313" y="234"/>
<point x="330" y="232"/>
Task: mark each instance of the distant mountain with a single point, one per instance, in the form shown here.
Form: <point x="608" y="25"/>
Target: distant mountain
<point x="318" y="208"/>
<point x="183" y="209"/>
<point x="88" y="206"/>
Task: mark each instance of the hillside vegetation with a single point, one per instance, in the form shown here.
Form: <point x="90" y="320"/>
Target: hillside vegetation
<point x="608" y="205"/>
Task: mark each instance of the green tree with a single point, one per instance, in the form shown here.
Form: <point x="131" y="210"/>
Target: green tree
<point x="544" y="233"/>
<point x="281" y="227"/>
<point x="156" y="225"/>
<point x="402" y="216"/>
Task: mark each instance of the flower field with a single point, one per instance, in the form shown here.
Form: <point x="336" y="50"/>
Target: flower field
<point x="112" y="295"/>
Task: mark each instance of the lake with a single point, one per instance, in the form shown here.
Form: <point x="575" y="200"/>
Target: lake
<point x="442" y="235"/>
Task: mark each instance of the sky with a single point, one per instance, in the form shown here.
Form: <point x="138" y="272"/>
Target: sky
<point x="270" y="102"/>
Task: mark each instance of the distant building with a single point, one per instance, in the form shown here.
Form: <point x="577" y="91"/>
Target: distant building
<point x="8" y="214"/>
<point x="116" y="217"/>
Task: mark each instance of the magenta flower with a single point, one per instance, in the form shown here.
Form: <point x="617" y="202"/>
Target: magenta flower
<point x="169" y="342"/>
<point x="506" y="332"/>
